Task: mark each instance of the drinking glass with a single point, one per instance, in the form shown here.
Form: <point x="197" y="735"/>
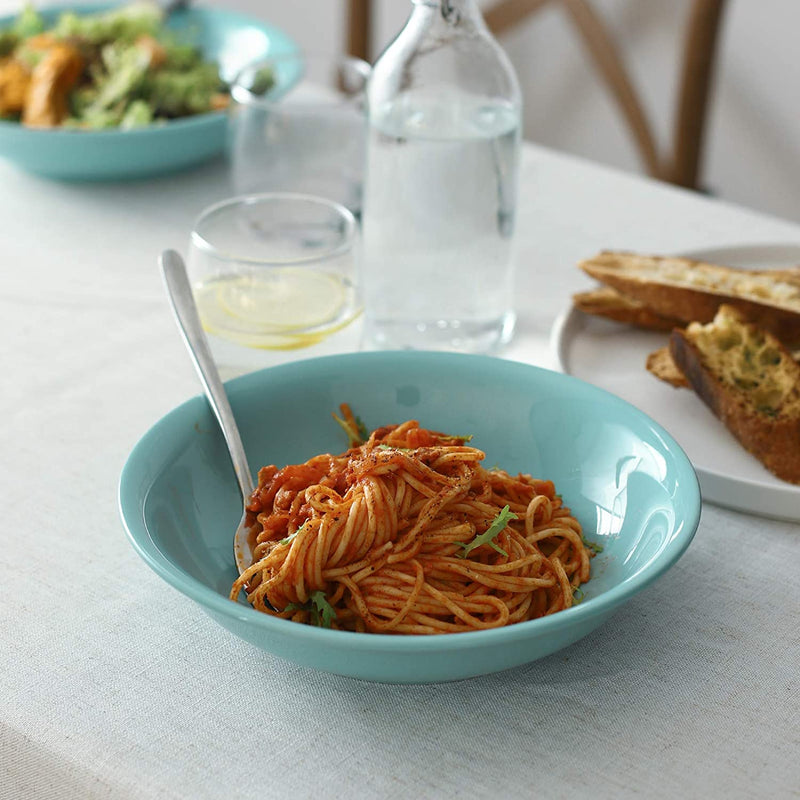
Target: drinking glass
<point x="309" y="137"/>
<point x="275" y="277"/>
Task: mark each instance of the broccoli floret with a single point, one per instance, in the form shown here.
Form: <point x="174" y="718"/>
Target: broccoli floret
<point x="123" y="24"/>
<point x="172" y="93"/>
<point x="81" y="100"/>
<point x="137" y="115"/>
<point x="95" y="119"/>
<point x="181" y="56"/>
<point x="126" y="66"/>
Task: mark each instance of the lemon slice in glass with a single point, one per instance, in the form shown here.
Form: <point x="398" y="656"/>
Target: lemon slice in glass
<point x="284" y="308"/>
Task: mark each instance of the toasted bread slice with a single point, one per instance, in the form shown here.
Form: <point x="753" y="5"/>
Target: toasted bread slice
<point x="693" y="290"/>
<point x="750" y="381"/>
<point x="661" y="364"/>
<point x="610" y="304"/>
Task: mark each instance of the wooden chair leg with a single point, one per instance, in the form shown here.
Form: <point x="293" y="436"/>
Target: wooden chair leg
<point x="612" y="69"/>
<point x="682" y="165"/>
<point x="699" y="57"/>
<point x="359" y="28"/>
<point x="507" y="13"/>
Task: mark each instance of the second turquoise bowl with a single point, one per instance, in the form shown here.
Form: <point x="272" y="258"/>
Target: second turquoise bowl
<point x="231" y="39"/>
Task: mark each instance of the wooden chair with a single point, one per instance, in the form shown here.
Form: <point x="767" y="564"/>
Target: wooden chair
<point x="359" y="28"/>
<point x="681" y="164"/>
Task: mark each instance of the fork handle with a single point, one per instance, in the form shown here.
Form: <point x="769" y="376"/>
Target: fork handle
<point x="181" y="299"/>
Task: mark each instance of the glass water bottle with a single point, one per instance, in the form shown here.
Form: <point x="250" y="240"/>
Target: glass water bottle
<point x="441" y="183"/>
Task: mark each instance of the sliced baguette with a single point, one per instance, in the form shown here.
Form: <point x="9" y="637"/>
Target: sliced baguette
<point x="610" y="304"/>
<point x="661" y="364"/>
<point x="750" y="381"/>
<point x="693" y="290"/>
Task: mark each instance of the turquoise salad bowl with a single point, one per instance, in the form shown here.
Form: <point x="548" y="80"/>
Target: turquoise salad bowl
<point x="231" y="39"/>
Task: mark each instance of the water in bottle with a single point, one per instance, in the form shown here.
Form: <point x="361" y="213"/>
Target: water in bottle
<point x="440" y="194"/>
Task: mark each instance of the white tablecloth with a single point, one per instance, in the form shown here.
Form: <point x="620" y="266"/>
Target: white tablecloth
<point x="113" y="685"/>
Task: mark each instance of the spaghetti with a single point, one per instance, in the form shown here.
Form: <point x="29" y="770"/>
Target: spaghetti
<point x="407" y="533"/>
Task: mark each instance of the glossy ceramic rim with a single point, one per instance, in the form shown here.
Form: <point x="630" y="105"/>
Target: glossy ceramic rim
<point x="138" y="534"/>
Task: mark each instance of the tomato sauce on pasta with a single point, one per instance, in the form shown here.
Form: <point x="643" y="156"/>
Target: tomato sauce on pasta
<point x="407" y="533"/>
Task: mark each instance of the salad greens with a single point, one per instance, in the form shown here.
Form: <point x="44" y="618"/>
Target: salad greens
<point x="120" y="68"/>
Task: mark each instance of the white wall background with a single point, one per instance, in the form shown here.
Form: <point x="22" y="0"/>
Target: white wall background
<point x="753" y="139"/>
<point x="753" y="136"/>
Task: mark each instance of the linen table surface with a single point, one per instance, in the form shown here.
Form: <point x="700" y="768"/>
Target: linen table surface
<point x="113" y="685"/>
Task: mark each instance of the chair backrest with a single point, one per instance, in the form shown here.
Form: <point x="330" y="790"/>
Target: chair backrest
<point x="682" y="162"/>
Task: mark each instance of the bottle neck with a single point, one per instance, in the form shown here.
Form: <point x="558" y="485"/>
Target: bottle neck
<point x="453" y="12"/>
<point x="443" y="43"/>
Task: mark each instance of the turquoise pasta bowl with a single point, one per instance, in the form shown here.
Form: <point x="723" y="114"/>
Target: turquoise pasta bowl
<point x="231" y="39"/>
<point x="623" y="476"/>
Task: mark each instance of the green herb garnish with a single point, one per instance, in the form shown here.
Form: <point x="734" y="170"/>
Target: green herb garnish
<point x="356" y="431"/>
<point x="319" y="609"/>
<point x="464" y="439"/>
<point x="325" y="613"/>
<point x="577" y="595"/>
<point x="291" y="536"/>
<point x="487" y="537"/>
<point x="593" y="546"/>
